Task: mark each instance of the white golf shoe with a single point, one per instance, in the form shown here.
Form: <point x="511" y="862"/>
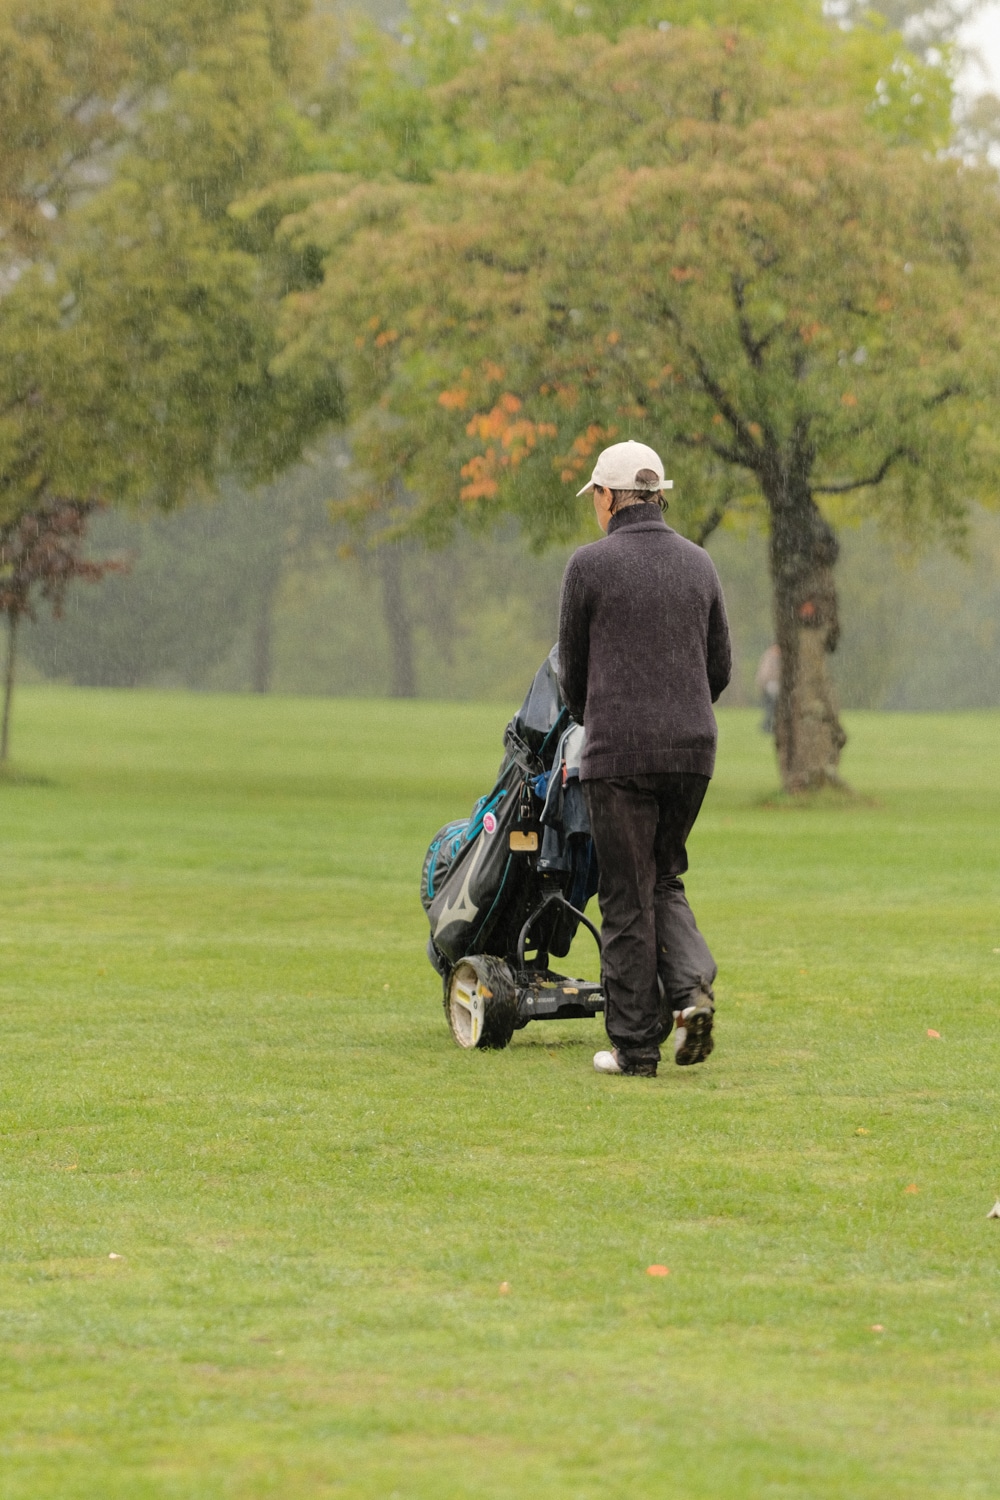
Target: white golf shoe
<point x="607" y="1062"/>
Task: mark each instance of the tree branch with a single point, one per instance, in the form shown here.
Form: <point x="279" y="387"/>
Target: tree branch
<point x="753" y="347"/>
<point x="711" y="521"/>
<point x="749" y="455"/>
<point x="943" y="396"/>
<point x="849" y="305"/>
<point x="765" y="255"/>
<point x="869" y="480"/>
<point x="88" y="148"/>
<point x="42" y="190"/>
<point x="730" y="455"/>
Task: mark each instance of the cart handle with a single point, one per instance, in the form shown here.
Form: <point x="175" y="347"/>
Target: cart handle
<point x="553" y="899"/>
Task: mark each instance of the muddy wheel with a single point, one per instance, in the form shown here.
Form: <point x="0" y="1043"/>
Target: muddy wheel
<point x="480" y="1002"/>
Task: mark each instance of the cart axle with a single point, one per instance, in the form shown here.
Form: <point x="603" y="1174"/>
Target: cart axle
<point x="552" y="997"/>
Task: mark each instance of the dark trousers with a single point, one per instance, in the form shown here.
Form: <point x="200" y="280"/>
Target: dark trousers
<point x="649" y="937"/>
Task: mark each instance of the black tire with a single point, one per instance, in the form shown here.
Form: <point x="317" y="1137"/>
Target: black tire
<point x="480" y="1002"/>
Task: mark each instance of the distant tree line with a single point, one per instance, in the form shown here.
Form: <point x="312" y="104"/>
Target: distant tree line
<point x="921" y="628"/>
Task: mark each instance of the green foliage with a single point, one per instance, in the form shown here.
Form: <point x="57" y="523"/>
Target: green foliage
<point x="316" y="1196"/>
<point x="62" y="67"/>
<point x="157" y="307"/>
<point x="134" y="357"/>
<point x="756" y="286"/>
<point x="386" y="109"/>
<point x="78" y="78"/>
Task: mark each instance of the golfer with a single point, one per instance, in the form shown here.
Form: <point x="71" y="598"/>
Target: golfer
<point x="643" y="654"/>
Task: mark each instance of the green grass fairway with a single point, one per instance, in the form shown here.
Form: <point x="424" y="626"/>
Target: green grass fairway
<point x="256" y="1207"/>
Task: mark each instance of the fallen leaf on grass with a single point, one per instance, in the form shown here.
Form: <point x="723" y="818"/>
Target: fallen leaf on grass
<point x="994" y="1212"/>
<point x="504" y="1288"/>
<point x="657" y="1271"/>
<point x="934" y="1035"/>
<point x="911" y="1187"/>
<point x="113" y="1256"/>
<point x="877" y="1328"/>
<point x="862" y="1131"/>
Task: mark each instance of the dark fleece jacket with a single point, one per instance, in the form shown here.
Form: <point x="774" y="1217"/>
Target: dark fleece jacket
<point x="643" y="648"/>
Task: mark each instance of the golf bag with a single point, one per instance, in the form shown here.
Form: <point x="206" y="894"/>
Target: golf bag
<point x="514" y="876"/>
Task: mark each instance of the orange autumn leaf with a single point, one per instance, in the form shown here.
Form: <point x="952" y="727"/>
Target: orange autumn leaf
<point x="510" y="442"/>
<point x="453" y="400"/>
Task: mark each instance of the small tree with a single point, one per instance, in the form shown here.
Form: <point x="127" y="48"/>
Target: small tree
<point x="41" y="553"/>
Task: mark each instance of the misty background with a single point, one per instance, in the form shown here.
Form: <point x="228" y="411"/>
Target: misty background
<point x="263" y="592"/>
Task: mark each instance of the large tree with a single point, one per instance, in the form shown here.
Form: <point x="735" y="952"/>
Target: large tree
<point x="467" y="90"/>
<point x="797" y="306"/>
<point x="402" y="108"/>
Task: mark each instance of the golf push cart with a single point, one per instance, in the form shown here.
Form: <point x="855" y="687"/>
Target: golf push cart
<point x="505" y="889"/>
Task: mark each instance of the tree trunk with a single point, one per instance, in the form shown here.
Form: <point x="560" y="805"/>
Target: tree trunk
<point x="261" y="661"/>
<point x="389" y="559"/>
<point x="8" y="687"/>
<point x="807" y="729"/>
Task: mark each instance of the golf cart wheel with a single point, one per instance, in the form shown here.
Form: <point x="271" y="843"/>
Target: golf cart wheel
<point x="480" y="1002"/>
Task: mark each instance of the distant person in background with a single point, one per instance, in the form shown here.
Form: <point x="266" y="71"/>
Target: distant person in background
<point x="643" y="655"/>
<point x="768" y="682"/>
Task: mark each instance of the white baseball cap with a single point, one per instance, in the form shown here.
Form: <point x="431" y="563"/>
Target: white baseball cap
<point x="618" y="465"/>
